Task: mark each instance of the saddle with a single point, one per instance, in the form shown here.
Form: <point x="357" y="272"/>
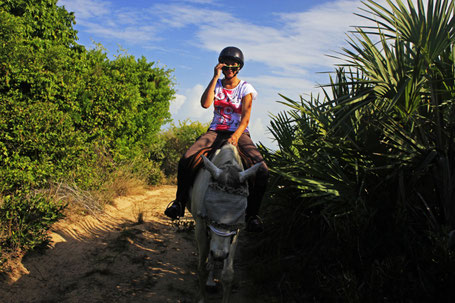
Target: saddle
<point x="196" y="161"/>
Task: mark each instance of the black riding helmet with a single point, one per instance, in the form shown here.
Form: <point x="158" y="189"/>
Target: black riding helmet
<point x="233" y="53"/>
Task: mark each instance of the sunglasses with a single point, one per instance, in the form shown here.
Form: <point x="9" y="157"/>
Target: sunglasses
<point x="231" y="67"/>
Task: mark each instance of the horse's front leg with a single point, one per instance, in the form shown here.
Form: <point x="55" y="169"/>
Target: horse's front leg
<point x="210" y="283"/>
<point x="203" y="249"/>
<point x="227" y="275"/>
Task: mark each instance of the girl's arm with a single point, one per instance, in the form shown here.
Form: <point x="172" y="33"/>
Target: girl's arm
<point x="209" y="93"/>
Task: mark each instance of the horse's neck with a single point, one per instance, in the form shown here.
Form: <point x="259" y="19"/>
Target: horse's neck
<point x="227" y="154"/>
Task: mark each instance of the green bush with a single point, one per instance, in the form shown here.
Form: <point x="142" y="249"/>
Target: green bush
<point x="173" y="143"/>
<point x="66" y="113"/>
<point x="25" y="220"/>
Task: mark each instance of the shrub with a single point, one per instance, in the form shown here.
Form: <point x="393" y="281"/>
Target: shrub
<point x="363" y="198"/>
<point x="25" y="219"/>
<point x="173" y="143"/>
<point x="68" y="114"/>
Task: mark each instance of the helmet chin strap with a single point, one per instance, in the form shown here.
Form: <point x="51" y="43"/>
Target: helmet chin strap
<point x="235" y="74"/>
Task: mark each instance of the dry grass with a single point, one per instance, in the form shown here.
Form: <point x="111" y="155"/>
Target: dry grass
<point x="125" y="183"/>
<point x="78" y="200"/>
<point x="138" y="211"/>
<point x="121" y="183"/>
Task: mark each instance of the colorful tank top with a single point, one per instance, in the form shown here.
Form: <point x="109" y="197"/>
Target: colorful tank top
<point x="227" y="104"/>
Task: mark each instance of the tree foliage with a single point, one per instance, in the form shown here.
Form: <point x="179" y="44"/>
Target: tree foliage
<point x="65" y="110"/>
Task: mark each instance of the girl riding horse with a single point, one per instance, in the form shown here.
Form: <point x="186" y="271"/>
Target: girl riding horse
<point x="233" y="99"/>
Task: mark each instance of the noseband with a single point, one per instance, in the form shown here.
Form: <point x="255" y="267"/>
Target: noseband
<point x="223" y="233"/>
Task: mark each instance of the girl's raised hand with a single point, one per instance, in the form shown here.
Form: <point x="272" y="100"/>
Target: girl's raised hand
<point x="218" y="69"/>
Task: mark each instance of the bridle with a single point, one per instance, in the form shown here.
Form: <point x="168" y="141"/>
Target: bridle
<point x="223" y="233"/>
<point x="232" y="234"/>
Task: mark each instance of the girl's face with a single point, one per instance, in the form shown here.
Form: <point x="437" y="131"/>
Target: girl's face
<point x="231" y="68"/>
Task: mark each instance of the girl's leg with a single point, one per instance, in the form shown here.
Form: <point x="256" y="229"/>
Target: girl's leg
<point x="186" y="174"/>
<point x="259" y="184"/>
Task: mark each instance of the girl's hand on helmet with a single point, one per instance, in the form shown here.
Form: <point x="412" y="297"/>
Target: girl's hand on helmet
<point x="218" y="69"/>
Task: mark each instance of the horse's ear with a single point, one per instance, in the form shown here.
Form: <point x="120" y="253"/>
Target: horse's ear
<point x="249" y="172"/>
<point x="213" y="170"/>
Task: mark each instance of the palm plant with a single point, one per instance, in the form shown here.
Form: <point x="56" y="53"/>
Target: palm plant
<point x="412" y="70"/>
<point x="368" y="172"/>
<point x="313" y="130"/>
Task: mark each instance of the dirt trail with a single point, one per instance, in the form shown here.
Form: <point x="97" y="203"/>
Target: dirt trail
<point x="113" y="258"/>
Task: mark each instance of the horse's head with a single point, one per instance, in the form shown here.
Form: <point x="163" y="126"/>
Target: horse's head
<point x="225" y="203"/>
<point x="220" y="242"/>
<point x="230" y="174"/>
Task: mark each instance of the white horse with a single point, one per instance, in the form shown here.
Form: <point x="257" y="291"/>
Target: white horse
<point x="218" y="204"/>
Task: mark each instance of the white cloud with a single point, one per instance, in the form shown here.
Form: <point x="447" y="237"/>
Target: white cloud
<point x="257" y="126"/>
<point x="194" y="109"/>
<point x="100" y="19"/>
<point x="179" y="16"/>
<point x="131" y="34"/>
<point x="190" y="107"/>
<point x="176" y="104"/>
<point x="86" y="9"/>
<point x="259" y="133"/>
<point x="300" y="43"/>
<point x="128" y="16"/>
<point x="283" y="84"/>
<point x="296" y="44"/>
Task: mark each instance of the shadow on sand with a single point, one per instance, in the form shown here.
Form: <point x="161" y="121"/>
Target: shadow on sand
<point x="112" y="258"/>
<point x="109" y="261"/>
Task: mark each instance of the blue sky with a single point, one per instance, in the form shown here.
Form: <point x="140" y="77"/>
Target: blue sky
<point x="285" y="44"/>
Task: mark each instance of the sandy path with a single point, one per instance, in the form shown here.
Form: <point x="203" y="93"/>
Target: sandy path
<point x="113" y="258"/>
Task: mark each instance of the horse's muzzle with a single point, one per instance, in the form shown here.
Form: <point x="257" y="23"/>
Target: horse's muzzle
<point x="219" y="255"/>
